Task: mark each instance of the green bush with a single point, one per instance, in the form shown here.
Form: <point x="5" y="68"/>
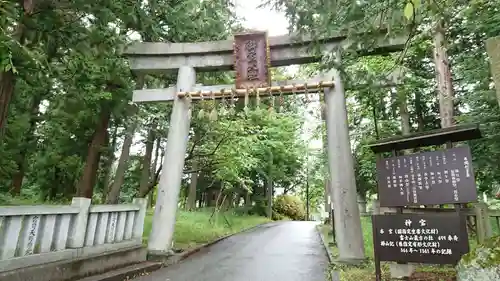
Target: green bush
<point x="279" y="217"/>
<point x="289" y="206"/>
<point x="256" y="210"/>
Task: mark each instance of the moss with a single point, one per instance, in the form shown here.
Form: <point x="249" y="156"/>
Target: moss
<point x="486" y="255"/>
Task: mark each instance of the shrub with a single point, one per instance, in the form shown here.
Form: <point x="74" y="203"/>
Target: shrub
<point x="289" y="206"/>
<point x="279" y="217"/>
<point x="259" y="209"/>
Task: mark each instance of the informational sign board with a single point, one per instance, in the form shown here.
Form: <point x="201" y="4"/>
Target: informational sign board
<point x="251" y="51"/>
<point x="426" y="238"/>
<point x="428" y="178"/>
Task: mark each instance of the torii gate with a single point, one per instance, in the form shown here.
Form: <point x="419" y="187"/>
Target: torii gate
<point x="148" y="58"/>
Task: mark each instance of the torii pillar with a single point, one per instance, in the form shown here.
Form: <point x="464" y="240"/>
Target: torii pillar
<point x="162" y="231"/>
<point x="348" y="232"/>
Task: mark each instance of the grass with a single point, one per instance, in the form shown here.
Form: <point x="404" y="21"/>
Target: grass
<point x="366" y="271"/>
<point x="494" y="226"/>
<point x="193" y="229"/>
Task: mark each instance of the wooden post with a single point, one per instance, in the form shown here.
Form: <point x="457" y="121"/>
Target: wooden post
<point x="483" y="226"/>
<point x="493" y="49"/>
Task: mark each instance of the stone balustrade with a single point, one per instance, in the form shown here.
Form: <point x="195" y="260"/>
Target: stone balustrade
<point x="33" y="235"/>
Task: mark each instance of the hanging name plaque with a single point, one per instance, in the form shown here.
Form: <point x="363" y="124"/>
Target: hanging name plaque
<point x="252" y="60"/>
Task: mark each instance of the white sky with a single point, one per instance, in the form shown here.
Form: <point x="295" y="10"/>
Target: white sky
<point x="275" y="23"/>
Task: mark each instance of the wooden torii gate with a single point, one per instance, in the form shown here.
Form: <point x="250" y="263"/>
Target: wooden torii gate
<point x="254" y="53"/>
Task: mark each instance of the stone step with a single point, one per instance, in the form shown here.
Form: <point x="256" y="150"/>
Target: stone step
<point x="125" y="273"/>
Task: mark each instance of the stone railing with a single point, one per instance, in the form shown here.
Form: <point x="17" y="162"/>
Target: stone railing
<point x="32" y="235"/>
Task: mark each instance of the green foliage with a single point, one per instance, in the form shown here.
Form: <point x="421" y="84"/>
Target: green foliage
<point x="376" y="112"/>
<point x="289" y="206"/>
<point x="69" y="71"/>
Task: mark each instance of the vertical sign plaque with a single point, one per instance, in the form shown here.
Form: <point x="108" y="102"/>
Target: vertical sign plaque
<point x="427" y="178"/>
<point x="252" y="59"/>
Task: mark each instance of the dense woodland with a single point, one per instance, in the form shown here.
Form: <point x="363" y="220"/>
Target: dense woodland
<point x="68" y="126"/>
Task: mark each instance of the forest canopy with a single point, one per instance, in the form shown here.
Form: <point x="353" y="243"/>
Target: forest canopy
<point x="68" y="126"/>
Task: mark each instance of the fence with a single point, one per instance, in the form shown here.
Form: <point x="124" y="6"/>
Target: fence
<point x="481" y="221"/>
<point x="32" y="235"/>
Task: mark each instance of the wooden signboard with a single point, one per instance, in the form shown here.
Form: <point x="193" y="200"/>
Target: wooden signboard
<point x="251" y="51"/>
<point x="426" y="238"/>
<point x="428" y="178"/>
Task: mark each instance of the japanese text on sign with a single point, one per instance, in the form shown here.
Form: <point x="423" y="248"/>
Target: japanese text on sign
<point x="251" y="60"/>
<point x="436" y="177"/>
<point x="440" y="239"/>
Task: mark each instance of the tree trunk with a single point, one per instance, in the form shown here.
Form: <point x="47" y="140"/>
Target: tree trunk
<point x="191" y="200"/>
<point x="144" y="185"/>
<point x="248" y="199"/>
<point x="237" y="200"/>
<point x="85" y="187"/>
<point x="114" y="192"/>
<point x="327" y="198"/>
<point x="327" y="186"/>
<point x="7" y="81"/>
<point x="17" y="178"/>
<point x="419" y="112"/>
<point x="157" y="154"/>
<point x="202" y="200"/>
<point x="212" y="197"/>
<point x="226" y="204"/>
<point x="443" y="74"/>
<point x="108" y="165"/>
<point x="7" y="78"/>
<point x="405" y="116"/>
<point x="375" y="122"/>
<point x="269" y="195"/>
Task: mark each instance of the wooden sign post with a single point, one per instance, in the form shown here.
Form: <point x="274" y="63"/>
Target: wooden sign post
<point x="419" y="179"/>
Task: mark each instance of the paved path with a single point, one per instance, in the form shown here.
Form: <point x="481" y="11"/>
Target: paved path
<point x="283" y="251"/>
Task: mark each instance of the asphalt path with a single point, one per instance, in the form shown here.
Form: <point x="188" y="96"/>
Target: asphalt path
<point x="281" y="251"/>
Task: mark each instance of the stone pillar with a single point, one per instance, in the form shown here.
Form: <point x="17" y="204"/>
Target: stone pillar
<point x="362" y="205"/>
<point x="341" y="164"/>
<point x="76" y="236"/>
<point x="138" y="229"/>
<point x="493" y="49"/>
<point x="160" y="239"/>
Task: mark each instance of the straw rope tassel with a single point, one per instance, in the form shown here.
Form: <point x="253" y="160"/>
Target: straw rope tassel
<point x="268" y="54"/>
<point x="294" y="89"/>
<point x="245" y="109"/>
<point x="257" y="98"/>
<point x="201" y="113"/>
